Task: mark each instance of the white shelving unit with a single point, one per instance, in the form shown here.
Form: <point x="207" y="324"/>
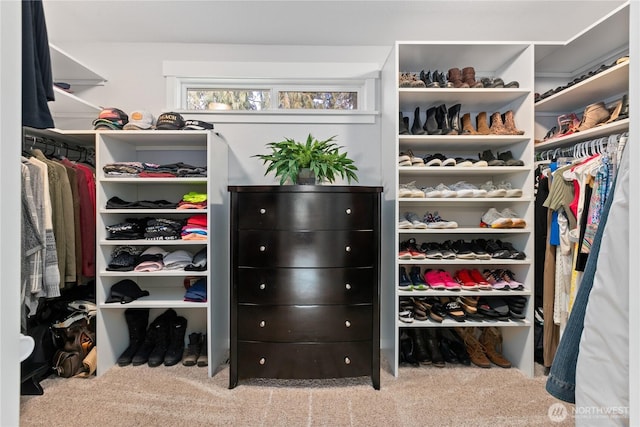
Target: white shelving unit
<point x="557" y="65"/>
<point x="166" y="288"/>
<point x="509" y="62"/>
<point x="69" y="110"/>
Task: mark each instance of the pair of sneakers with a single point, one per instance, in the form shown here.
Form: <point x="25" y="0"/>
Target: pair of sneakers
<point x="459" y="189"/>
<point x="441" y="280"/>
<point x="503" y="189"/>
<point x="506" y="218"/>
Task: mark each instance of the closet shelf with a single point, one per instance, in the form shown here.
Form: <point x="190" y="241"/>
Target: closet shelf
<point x="457" y="261"/>
<point x="593" y="133"/>
<point x="450" y="323"/>
<point x="160" y="273"/>
<point x="443" y="201"/>
<point x="466" y="230"/>
<point x="69" y="105"/>
<point x="599" y="87"/>
<point x="151" y="181"/>
<point x="489" y="100"/>
<point x="435" y="143"/>
<point x="433" y="293"/>
<point x="147" y="242"/>
<point x="67" y="69"/>
<point x="153" y="211"/>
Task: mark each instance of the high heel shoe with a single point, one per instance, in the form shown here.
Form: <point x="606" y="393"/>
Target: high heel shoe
<point x="416" y="128"/>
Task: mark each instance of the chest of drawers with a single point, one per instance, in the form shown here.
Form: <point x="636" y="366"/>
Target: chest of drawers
<point x="305" y="282"/>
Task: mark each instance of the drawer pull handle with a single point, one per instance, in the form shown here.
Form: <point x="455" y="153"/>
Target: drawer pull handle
<point x="262" y="361"/>
<point x="348" y="211"/>
<point x="347" y="286"/>
<point x="262" y="324"/>
<point x="263" y="248"/>
<point x="263" y="211"/>
<point x="348" y="248"/>
<point x="347" y="324"/>
<point x="262" y="286"/>
<point x="347" y="361"/>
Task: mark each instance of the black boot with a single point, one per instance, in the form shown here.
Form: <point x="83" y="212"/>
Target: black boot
<point x="454" y="119"/>
<point x="137" y="319"/>
<point x="403" y="128"/>
<point x="420" y="350"/>
<point x="434" y="347"/>
<point x="431" y="124"/>
<point x="177" y="331"/>
<point x="416" y="128"/>
<point x="161" y="331"/>
<point x="142" y="355"/>
<point x="406" y="349"/>
<point x="442" y="118"/>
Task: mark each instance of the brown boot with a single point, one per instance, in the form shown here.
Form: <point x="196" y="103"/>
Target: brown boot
<point x="510" y="124"/>
<point x="593" y="114"/>
<point x="497" y="127"/>
<point x="455" y="76"/>
<point x="491" y="339"/>
<point x="467" y="126"/>
<point x="474" y="348"/>
<point x="482" y="124"/>
<point x="469" y="77"/>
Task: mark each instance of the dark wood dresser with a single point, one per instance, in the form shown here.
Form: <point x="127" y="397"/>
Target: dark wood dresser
<point x="305" y="282"/>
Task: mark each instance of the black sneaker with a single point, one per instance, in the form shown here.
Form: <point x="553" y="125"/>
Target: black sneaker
<point x="463" y="250"/>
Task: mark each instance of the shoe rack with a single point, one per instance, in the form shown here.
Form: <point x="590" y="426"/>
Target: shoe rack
<point x="166" y="287"/>
<point x="586" y="72"/>
<point x="510" y="62"/>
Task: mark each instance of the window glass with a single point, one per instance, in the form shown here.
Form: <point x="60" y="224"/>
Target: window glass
<point x="228" y="99"/>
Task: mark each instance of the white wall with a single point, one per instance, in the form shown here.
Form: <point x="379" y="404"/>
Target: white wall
<point x="10" y="137"/>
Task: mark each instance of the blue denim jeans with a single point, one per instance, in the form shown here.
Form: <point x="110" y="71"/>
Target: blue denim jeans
<point x="561" y="382"/>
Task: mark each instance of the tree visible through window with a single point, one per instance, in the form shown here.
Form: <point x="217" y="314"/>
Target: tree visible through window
<point x="203" y="99"/>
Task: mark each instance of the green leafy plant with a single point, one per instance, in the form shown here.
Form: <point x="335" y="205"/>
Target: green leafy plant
<point x="323" y="158"/>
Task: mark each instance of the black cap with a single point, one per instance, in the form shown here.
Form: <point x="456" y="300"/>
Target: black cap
<point x="126" y="291"/>
<point x="197" y="125"/>
<point x="170" y="121"/>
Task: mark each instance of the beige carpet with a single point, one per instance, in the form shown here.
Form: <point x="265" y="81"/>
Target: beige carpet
<point x="185" y="396"/>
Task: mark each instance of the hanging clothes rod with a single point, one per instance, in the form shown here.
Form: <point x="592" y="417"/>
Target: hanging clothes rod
<point x="580" y="149"/>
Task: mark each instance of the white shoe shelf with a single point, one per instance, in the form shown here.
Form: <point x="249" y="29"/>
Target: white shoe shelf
<point x="509" y="62"/>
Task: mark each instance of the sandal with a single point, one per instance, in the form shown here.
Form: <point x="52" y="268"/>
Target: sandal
<point x="454" y="310"/>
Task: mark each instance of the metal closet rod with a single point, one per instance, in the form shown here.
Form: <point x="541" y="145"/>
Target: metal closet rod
<point x="29" y="142"/>
<point x="582" y="149"/>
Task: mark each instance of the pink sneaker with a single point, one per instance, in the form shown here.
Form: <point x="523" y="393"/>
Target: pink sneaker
<point x="495" y="280"/>
<point x="433" y="279"/>
<point x="449" y="282"/>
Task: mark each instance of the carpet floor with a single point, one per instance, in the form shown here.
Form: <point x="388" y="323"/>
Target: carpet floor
<point x="184" y="396"/>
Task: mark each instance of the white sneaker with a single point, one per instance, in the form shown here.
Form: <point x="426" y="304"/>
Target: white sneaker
<point x="409" y="190"/>
<point x="492" y="190"/>
<point x="446" y="191"/>
<point x="464" y="189"/>
<point x="516" y="220"/>
<point x="431" y="192"/>
<point x="435" y="221"/>
<point x="494" y="219"/>
<point x="415" y="220"/>
<point x="510" y="192"/>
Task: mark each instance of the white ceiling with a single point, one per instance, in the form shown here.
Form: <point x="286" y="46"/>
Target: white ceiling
<point x="322" y="23"/>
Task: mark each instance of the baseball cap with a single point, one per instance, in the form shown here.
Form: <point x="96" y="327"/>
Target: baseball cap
<point x="197" y="125"/>
<point x="105" y="124"/>
<point x="170" y="121"/>
<point x="140" y="119"/>
<point x="126" y="291"/>
<point x="114" y="115"/>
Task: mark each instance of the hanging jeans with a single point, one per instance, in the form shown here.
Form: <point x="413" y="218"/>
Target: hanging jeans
<point x="561" y="382"/>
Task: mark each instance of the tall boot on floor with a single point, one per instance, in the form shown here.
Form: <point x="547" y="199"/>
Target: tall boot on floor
<point x="510" y="124"/>
<point x="416" y="128"/>
<point x="491" y="340"/>
<point x="137" y="320"/>
<point x="175" y="350"/>
<point x="482" y="124"/>
<point x="475" y="350"/>
<point x="406" y="349"/>
<point x="203" y="359"/>
<point x="467" y="125"/>
<point x="193" y="349"/>
<point x="497" y="127"/>
<point x="433" y="345"/>
<point x="420" y="351"/>
<point x="161" y="326"/>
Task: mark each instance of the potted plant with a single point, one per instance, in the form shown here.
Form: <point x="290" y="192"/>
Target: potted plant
<point x="321" y="160"/>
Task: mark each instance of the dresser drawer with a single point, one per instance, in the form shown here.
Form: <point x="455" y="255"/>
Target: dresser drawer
<point x="311" y="323"/>
<point x="305" y="211"/>
<point x="304" y="360"/>
<point x="305" y="285"/>
<point x="306" y="248"/>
